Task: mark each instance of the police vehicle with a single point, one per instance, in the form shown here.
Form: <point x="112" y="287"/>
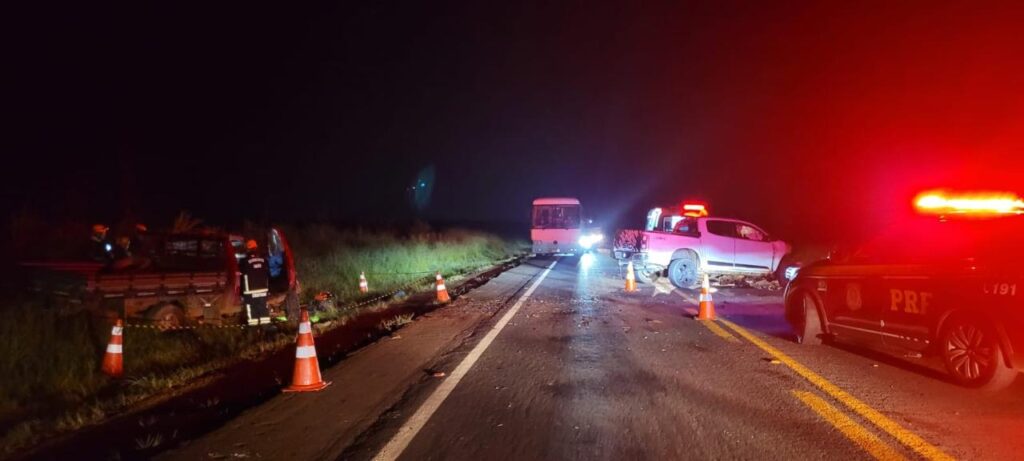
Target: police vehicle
<point x="948" y="283"/>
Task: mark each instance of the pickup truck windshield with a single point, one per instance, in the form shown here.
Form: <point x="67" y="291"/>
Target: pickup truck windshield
<point x="556" y="217"/>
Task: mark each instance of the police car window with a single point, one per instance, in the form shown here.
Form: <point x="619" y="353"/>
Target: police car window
<point x="915" y="243"/>
<point x="722" y="228"/>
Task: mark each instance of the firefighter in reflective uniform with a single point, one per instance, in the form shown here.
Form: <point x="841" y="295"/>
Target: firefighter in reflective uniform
<point x="255" y="285"/>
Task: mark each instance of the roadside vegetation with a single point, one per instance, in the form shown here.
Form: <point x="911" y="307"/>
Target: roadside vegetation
<point x="50" y="362"/>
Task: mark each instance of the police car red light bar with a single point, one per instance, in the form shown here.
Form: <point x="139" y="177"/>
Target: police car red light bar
<point x="973" y="203"/>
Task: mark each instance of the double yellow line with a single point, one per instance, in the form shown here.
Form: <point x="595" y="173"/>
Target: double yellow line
<point x="855" y="432"/>
<point x="848" y="427"/>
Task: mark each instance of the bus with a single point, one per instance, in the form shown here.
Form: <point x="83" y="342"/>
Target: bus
<point x="559" y="228"/>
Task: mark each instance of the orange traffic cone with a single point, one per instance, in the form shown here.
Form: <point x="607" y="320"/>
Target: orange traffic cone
<point x="113" y="360"/>
<point x="307" y="370"/>
<point x="442" y="292"/>
<point x="706" y="311"/>
<point x="363" y="286"/>
<point x="630" y="278"/>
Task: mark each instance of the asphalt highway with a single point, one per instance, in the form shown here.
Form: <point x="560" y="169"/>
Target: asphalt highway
<point x="553" y="360"/>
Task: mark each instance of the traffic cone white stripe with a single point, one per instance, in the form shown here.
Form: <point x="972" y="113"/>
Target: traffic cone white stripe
<point x="442" y="291"/>
<point x="304" y="328"/>
<point x="116" y="331"/>
<point x="114" y="348"/>
<point x="305" y="352"/>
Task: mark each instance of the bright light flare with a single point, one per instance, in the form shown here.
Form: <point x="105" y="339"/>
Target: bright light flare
<point x="975" y="203"/>
<point x="588" y="241"/>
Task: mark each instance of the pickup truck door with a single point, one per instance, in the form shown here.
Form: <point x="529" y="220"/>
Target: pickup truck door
<point x="753" y="250"/>
<point x="719" y="244"/>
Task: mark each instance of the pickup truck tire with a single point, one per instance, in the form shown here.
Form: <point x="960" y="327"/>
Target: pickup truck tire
<point x="684" y="272"/>
<point x="166" y="316"/>
<point x="644" y="275"/>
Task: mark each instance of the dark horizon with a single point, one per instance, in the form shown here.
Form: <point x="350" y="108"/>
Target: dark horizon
<point x="334" y="111"/>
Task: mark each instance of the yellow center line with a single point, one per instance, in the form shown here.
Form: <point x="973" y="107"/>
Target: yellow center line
<point x="906" y="437"/>
<point x="848" y="427"/>
<point x="718" y="330"/>
<point x="711" y="325"/>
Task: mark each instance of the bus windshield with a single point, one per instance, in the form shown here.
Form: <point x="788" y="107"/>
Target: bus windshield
<point x="556" y="216"/>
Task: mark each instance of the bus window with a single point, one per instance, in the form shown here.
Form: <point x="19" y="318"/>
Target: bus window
<point x="556" y="217"/>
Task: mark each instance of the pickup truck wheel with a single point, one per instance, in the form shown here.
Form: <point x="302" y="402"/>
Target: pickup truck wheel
<point x="972" y="354"/>
<point x="166" y="317"/>
<point x="683" y="273"/>
<point x="647" y="276"/>
<point x="808" y="323"/>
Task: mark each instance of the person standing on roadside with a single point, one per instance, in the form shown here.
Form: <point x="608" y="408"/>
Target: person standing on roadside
<point x="255" y="281"/>
<point x="101" y="249"/>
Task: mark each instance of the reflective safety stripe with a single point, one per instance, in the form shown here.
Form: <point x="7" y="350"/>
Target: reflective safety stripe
<point x="704" y="297"/>
<point x="305" y="352"/>
<point x="304" y="328"/>
<point x="116" y="331"/>
<point x="113" y="348"/>
<point x="440" y="287"/>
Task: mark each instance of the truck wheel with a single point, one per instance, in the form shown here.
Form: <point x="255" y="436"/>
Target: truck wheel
<point x="807" y="323"/>
<point x="166" y="316"/>
<point x="972" y="354"/>
<point x="644" y="275"/>
<point x="683" y="272"/>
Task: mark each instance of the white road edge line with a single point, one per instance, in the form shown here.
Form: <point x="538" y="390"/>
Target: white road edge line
<point x="401" y="440"/>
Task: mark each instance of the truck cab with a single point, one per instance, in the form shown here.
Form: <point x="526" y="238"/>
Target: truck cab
<point x="189" y="277"/>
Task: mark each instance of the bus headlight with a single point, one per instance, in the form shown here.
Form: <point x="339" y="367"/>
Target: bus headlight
<point x="588" y="241"/>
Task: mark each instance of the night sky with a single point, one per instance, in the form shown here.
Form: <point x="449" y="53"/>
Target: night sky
<point x="803" y="117"/>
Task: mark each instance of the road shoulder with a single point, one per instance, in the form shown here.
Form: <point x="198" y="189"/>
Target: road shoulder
<point x="365" y="384"/>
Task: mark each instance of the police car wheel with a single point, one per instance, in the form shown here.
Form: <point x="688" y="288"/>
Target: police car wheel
<point x="808" y="322"/>
<point x="972" y="355"/>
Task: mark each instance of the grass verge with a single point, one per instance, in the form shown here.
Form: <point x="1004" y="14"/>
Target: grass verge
<point x="50" y="363"/>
